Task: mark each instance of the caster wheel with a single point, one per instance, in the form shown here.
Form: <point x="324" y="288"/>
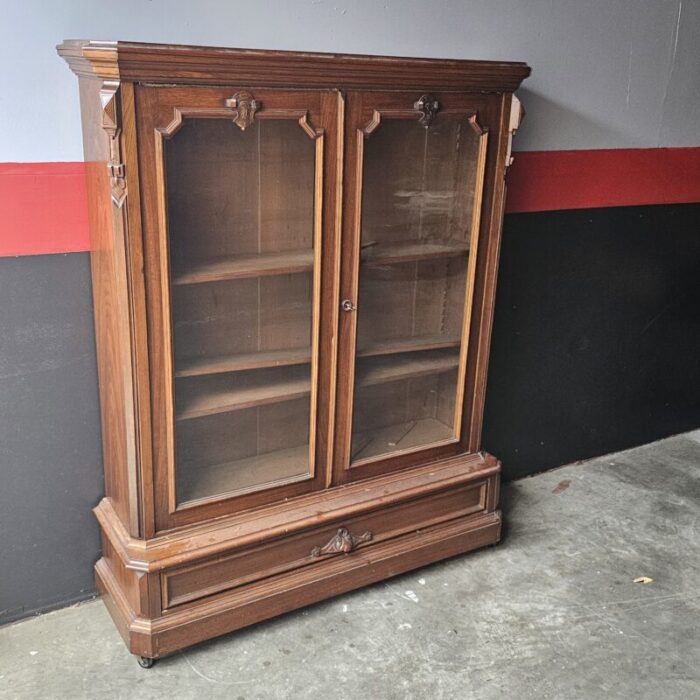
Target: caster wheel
<point x="145" y="662"/>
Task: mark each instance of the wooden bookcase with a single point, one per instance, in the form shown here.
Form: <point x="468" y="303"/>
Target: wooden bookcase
<point x="294" y="259"/>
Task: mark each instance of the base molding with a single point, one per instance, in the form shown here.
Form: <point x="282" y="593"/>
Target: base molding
<point x="167" y="608"/>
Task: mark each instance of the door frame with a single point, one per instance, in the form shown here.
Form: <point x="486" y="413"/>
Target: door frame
<point x="160" y="111"/>
<point x="365" y="111"/>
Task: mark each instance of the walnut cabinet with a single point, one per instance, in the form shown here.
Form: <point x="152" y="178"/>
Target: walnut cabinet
<point x="294" y="259"/>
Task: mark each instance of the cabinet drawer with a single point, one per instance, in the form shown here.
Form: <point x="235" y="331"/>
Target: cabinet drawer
<point x="311" y="547"/>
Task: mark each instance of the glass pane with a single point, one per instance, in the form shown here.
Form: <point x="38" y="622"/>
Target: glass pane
<point x="419" y="189"/>
<point x="241" y="231"/>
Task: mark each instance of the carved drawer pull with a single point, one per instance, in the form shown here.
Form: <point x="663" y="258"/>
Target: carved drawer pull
<point x="341" y="543"/>
<point x="244" y="107"/>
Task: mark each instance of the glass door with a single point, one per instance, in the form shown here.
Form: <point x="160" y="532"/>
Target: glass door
<point x="240" y="183"/>
<point x="240" y="206"/>
<point x="407" y="285"/>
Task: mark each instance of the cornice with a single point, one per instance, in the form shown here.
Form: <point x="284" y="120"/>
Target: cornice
<point x="163" y="63"/>
<point x="91" y="59"/>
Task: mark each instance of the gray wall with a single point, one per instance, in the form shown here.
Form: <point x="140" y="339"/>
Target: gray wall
<point x="606" y="73"/>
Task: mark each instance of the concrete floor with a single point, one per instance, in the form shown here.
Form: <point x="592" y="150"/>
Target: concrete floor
<point x="553" y="612"/>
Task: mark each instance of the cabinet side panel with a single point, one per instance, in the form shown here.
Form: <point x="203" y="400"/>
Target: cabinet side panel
<point x="110" y="307"/>
<point x="486" y="273"/>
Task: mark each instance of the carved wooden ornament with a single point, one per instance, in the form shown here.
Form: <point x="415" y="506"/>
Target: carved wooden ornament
<point x="110" y="123"/>
<point x="341" y="543"/>
<point x="244" y="107"/>
<point x="428" y="107"/>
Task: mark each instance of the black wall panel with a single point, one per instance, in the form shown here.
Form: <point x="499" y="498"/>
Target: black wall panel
<point x="596" y="347"/>
<point x="596" y="343"/>
<point x="50" y="454"/>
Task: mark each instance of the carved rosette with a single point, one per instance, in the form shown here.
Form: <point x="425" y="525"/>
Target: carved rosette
<point x="341" y="543"/>
<point x="244" y="107"/>
<point x="428" y="107"/>
<point x="110" y="123"/>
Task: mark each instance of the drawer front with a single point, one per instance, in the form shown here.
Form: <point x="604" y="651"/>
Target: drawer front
<point x="187" y="584"/>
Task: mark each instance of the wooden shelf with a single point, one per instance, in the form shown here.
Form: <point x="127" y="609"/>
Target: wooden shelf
<point x="252" y="472"/>
<point x="242" y="361"/>
<point x="241" y="266"/>
<point x="391" y="253"/>
<point x="415" y="344"/>
<point x="401" y="436"/>
<point x="205" y="401"/>
<point x="388" y="369"/>
<point x="197" y="401"/>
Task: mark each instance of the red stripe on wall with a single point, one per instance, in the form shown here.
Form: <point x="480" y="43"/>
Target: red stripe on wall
<point x="43" y="206"/>
<point x="552" y="180"/>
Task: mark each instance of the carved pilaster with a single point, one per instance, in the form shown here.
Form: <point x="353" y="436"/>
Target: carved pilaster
<point x="109" y="96"/>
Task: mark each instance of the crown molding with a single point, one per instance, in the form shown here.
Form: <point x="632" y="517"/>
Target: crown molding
<point x="163" y="63"/>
